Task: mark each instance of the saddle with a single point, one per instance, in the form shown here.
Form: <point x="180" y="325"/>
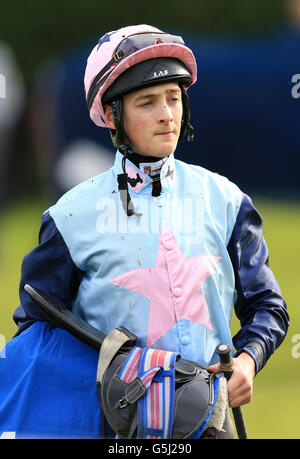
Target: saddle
<point x="151" y="393"/>
<point x="144" y="392"/>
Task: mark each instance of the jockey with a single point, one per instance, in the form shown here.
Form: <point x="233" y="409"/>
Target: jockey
<point x="161" y="247"/>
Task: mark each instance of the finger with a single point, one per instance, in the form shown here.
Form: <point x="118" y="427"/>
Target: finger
<point x="216" y="368"/>
<point x="239" y="399"/>
<point x="239" y="392"/>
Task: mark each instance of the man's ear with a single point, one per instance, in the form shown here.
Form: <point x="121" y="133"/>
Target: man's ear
<point x="108" y="116"/>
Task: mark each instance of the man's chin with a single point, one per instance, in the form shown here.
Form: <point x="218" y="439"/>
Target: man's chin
<point x="164" y="150"/>
<point x="158" y="151"/>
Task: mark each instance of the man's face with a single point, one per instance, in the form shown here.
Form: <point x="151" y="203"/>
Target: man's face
<point x="152" y="119"/>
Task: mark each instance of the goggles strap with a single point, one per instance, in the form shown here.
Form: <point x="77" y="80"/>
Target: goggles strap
<point x="100" y="78"/>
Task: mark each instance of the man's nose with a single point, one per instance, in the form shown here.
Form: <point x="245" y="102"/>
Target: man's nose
<point x="165" y="113"/>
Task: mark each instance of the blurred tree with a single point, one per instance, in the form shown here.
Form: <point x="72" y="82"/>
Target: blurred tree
<point x="38" y="30"/>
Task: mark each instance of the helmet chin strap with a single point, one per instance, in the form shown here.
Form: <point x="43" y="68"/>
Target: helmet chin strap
<point x="124" y="192"/>
<point x="186" y="127"/>
<point x="121" y="142"/>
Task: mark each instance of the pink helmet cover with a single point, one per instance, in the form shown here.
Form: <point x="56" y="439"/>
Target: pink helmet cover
<point x="101" y="55"/>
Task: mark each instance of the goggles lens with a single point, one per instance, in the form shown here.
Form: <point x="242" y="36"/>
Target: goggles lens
<point x="139" y="41"/>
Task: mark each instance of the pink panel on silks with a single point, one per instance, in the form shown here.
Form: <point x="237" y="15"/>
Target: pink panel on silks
<point x="173" y="286"/>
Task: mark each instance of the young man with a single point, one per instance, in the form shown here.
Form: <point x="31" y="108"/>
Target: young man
<point x="158" y="246"/>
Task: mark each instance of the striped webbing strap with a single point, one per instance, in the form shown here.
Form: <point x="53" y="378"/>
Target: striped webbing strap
<point x="156" y="369"/>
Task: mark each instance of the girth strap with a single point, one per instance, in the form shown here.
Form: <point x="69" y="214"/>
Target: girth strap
<point x="154" y="371"/>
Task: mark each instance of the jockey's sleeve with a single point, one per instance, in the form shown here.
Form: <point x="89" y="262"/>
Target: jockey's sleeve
<point x="259" y="304"/>
<point x="50" y="268"/>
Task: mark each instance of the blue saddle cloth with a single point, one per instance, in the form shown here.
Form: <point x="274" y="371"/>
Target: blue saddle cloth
<point x="48" y="386"/>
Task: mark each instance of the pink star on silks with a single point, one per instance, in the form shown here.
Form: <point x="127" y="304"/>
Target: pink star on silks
<point x="173" y="286"/>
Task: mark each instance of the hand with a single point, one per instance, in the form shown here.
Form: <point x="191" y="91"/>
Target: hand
<point x="240" y="385"/>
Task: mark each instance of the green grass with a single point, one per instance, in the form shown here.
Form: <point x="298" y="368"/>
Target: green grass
<point x="275" y="407"/>
<point x="19" y="226"/>
<point x="274" y="410"/>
